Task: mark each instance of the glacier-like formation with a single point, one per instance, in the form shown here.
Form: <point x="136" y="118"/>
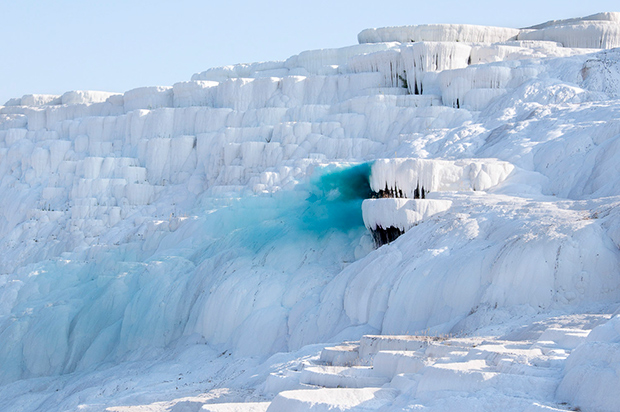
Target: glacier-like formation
<point x="226" y="217"/>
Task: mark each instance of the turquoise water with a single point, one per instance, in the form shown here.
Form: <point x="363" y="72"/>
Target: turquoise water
<point x="336" y="197"/>
<point x="95" y="305"/>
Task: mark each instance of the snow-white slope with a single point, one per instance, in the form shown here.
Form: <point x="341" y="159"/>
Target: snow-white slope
<point x="203" y="227"/>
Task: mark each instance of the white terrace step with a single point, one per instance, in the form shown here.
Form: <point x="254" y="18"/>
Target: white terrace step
<point x="537" y="407"/>
<point x="408" y="175"/>
<point x="48" y="215"/>
<point x="399" y="212"/>
<point x="474" y="375"/>
<point x="346" y="354"/>
<point x="385" y="91"/>
<point x="497" y="358"/>
<point x="391" y="363"/>
<point x="387" y="97"/>
<point x="236" y="407"/>
<point x="330" y="399"/>
<point x="283" y="381"/>
<point x="371" y="344"/>
<point x="505" y="358"/>
<point x="342" y="377"/>
<point x="511" y="366"/>
<point x="446" y="349"/>
<point x="564" y="338"/>
<point x="468" y="402"/>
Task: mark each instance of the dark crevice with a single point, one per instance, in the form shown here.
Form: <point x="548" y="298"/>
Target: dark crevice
<point x="383" y="236"/>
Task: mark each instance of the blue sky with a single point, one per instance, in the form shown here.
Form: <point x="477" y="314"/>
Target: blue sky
<point x="52" y="46"/>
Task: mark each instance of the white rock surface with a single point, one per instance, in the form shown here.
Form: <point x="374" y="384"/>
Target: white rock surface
<point x="438" y="32"/>
<point x="221" y="220"/>
<point x="400" y="213"/>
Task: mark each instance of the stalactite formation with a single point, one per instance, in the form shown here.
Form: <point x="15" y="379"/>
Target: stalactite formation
<point x="395" y="192"/>
<point x="384" y="236"/>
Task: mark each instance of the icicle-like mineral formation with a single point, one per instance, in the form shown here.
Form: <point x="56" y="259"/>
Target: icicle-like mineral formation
<point x="400" y="188"/>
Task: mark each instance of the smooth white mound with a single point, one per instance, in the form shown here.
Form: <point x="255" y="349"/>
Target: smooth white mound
<point x="539" y="259"/>
<point x="592" y="372"/>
